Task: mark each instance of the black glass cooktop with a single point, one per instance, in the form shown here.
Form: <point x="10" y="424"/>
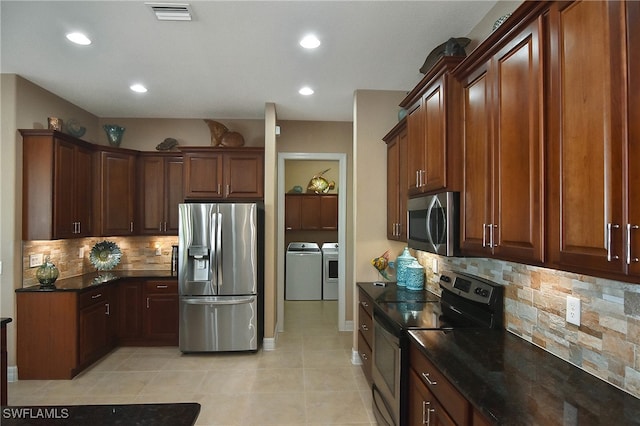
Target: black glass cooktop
<point x="391" y="292"/>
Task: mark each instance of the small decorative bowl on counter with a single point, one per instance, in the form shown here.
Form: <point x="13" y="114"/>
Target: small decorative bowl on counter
<point x="105" y="255"/>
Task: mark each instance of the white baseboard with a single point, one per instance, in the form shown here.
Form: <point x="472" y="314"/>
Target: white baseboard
<point x="355" y="357"/>
<point x="269" y="343"/>
<point x="12" y="373"/>
<point x="347" y="326"/>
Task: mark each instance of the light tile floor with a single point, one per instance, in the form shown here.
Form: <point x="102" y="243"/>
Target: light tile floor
<point x="307" y="380"/>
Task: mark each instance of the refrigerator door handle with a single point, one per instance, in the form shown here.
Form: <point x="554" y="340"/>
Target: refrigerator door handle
<point x="218" y="301"/>
<point x="213" y="255"/>
<point x="219" y="252"/>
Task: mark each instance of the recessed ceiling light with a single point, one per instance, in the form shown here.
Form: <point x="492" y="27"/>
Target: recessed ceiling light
<point x="306" y="91"/>
<point x="138" y="88"/>
<point x="79" y="38"/>
<point x="310" y="42"/>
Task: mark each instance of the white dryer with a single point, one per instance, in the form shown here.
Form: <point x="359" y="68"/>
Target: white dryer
<point x="330" y="254"/>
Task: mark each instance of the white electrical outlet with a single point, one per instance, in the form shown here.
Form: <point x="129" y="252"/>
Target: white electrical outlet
<point x="35" y="260"/>
<point x="81" y="252"/>
<point x="573" y="310"/>
<point x="434" y="265"/>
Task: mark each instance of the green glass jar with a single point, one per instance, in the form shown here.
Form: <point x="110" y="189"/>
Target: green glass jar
<point x="47" y="274"/>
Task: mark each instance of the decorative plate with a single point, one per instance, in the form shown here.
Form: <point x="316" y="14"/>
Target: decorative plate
<point x="75" y="129"/>
<point x="105" y="255"/>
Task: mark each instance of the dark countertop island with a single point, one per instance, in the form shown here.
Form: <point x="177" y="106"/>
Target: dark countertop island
<point x="96" y="279"/>
<point x="513" y="382"/>
<point x="178" y="414"/>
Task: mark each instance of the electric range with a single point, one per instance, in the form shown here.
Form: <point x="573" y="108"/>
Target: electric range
<point x="465" y="302"/>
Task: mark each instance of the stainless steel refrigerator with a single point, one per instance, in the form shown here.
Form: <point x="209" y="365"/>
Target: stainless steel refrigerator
<point x="220" y="276"/>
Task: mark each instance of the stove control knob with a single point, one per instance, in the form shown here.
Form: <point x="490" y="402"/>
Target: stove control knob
<point x="445" y="278"/>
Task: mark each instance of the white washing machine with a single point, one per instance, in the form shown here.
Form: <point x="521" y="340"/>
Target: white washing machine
<point x="303" y="272"/>
<point x="330" y="256"/>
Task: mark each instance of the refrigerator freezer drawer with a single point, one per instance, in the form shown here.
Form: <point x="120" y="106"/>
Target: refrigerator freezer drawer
<point x="218" y="324"/>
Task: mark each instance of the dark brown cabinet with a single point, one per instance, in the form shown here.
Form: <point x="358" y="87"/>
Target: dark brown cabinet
<point x="57" y="186"/>
<point x="161" y="312"/>
<point x="159" y="193"/>
<point x="221" y="173"/>
<point x="433" y="400"/>
<point x="97" y="324"/>
<point x="365" y="333"/>
<point x="396" y="141"/>
<point x="311" y="212"/>
<point x="115" y="192"/>
<point x="431" y="126"/>
<point x="130" y="311"/>
<point x="502" y="203"/>
<point x="594" y="130"/>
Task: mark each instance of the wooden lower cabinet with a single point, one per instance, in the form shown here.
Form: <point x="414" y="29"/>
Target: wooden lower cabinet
<point x="161" y="312"/>
<point x="432" y="397"/>
<point x="424" y="407"/>
<point x="60" y="333"/>
<point x="365" y="333"/>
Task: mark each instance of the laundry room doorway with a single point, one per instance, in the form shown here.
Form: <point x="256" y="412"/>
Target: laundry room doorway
<point x="304" y="165"/>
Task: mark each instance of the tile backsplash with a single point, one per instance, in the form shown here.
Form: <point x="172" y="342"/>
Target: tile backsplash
<point x="137" y="253"/>
<point x="606" y="344"/>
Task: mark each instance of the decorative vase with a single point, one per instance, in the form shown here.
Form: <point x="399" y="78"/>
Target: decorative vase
<point x="401" y="266"/>
<point x="114" y="133"/>
<point x="415" y="276"/>
<point x="47" y="274"/>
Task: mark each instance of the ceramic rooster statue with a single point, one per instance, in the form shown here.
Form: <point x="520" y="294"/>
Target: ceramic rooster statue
<point x="381" y="263"/>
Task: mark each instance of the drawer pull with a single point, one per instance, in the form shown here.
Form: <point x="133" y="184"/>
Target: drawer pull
<point x="365" y="304"/>
<point x="108" y="311"/>
<point x="162" y="286"/>
<point x="95" y="296"/>
<point x="364" y="356"/>
<point x="426" y="412"/>
<point x="429" y="381"/>
<point x="364" y="327"/>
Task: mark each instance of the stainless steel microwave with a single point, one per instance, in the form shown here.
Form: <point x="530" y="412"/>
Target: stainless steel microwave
<point x="434" y="222"/>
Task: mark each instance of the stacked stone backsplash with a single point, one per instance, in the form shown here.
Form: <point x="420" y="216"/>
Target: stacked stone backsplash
<point x="606" y="344"/>
<point x="138" y="253"/>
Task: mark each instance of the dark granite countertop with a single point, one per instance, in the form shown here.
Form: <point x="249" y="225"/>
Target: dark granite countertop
<point x="179" y="414"/>
<point x="4" y="321"/>
<point x="514" y="382"/>
<point x="391" y="292"/>
<point x="96" y="279"/>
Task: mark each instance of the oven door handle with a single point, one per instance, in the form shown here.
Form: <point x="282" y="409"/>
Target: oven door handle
<point x="381" y="417"/>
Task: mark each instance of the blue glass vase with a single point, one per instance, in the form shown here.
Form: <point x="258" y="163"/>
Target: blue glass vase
<point x="114" y="134"/>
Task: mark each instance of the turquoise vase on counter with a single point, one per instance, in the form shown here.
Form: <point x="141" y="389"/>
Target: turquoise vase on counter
<point x="414" y="276"/>
<point x="401" y="266"/>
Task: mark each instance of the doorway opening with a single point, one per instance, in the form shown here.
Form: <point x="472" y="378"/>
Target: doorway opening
<point x="340" y="160"/>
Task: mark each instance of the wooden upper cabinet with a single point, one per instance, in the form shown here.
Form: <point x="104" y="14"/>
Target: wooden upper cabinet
<point x="160" y="191"/>
<point x="57" y="186"/>
<point x="397" y="158"/>
<point x="502" y="204"/>
<point x="115" y="196"/>
<point x="244" y="174"/>
<point x="220" y="173"/>
<point x="589" y="149"/>
<point x="433" y="146"/>
<point x="311" y="212"/>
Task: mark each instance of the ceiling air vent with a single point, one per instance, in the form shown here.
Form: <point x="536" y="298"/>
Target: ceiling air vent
<point x="171" y="11"/>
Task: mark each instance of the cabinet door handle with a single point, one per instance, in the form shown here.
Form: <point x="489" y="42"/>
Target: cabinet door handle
<point x="147" y="303"/>
<point x="429" y="381"/>
<point x="365" y="304"/>
<point x="629" y="258"/>
<point x="79" y="227"/>
<point x="160" y="227"/>
<point x="162" y="286"/>
<point x="96" y="296"/>
<point x="493" y="239"/>
<point x="364" y="327"/>
<point x="425" y="412"/>
<point x="364" y="356"/>
<point x="228" y="190"/>
<point x="610" y="227"/>
<point x="484" y="235"/>
<point x="417" y="178"/>
<point x="131" y="226"/>
<point x="423" y="178"/>
<point x="165" y="227"/>
<point x="108" y="311"/>
<point x="219" y="188"/>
